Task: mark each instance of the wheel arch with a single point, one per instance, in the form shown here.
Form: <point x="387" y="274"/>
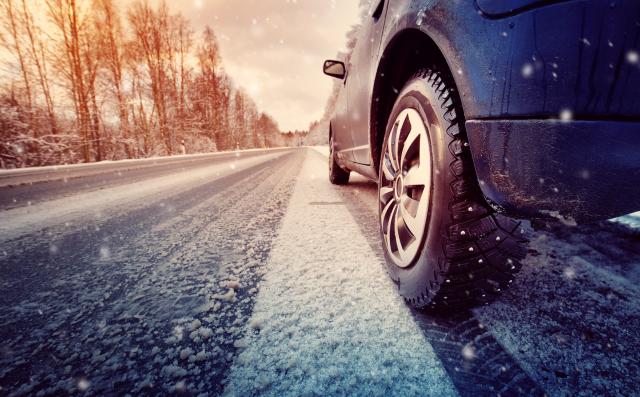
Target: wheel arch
<point x="408" y="51"/>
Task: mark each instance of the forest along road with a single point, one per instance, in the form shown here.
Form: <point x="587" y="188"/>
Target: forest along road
<point x="248" y="273"/>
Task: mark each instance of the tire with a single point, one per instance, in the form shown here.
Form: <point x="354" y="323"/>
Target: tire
<point x="445" y="247"/>
<point x="337" y="175"/>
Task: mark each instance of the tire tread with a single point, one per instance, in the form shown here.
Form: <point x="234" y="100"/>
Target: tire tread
<point x="482" y="249"/>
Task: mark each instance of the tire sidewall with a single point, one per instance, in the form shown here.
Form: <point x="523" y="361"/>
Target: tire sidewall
<point x="418" y="278"/>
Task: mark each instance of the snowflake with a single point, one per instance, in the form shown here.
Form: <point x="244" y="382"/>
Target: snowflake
<point x="83" y="384"/>
<point x="566" y="115"/>
<point x="468" y="352"/>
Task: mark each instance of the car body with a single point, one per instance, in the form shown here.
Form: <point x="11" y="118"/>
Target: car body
<point x="550" y="92"/>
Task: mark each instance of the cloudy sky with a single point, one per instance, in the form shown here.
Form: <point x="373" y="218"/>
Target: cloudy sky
<point x="275" y="49"/>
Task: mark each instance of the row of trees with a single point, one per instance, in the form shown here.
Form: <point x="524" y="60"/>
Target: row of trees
<point x="87" y="82"/>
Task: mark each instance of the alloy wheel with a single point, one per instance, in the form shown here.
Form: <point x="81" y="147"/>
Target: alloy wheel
<point x="405" y="187"/>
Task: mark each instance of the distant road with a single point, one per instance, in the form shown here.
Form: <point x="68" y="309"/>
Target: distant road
<point x="26" y="183"/>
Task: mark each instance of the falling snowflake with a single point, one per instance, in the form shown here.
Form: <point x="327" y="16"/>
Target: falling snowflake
<point x="83" y="384"/>
<point x="527" y="70"/>
<point x="105" y="252"/>
<point x="585" y="174"/>
<point x="566" y="115"/>
<point x="468" y="352"/>
<point x="569" y="273"/>
<point x="633" y="57"/>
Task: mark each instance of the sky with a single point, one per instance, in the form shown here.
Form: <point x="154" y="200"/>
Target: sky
<point x="274" y="49"/>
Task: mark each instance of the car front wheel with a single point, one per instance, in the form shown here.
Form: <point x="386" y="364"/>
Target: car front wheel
<point x="444" y="245"/>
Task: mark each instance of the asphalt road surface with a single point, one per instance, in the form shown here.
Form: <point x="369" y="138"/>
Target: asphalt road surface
<point x="249" y="274"/>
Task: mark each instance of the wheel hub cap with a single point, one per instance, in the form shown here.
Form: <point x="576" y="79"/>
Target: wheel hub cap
<point x="404" y="190"/>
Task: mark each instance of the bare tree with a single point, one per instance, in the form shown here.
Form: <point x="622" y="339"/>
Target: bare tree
<point x="12" y="25"/>
<point x="240" y="119"/>
<point x="39" y="59"/>
<point x="142" y="128"/>
<point x="150" y="29"/>
<point x="111" y="48"/>
<point x="209" y="87"/>
<point x="92" y="57"/>
<point x="65" y="16"/>
<point x="182" y="41"/>
<point x="269" y="131"/>
<point x="253" y="132"/>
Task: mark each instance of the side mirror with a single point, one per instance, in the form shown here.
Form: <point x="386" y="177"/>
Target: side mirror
<point x="335" y="69"/>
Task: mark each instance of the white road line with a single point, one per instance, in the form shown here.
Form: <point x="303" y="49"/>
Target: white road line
<point x="327" y="318"/>
<point x="95" y="204"/>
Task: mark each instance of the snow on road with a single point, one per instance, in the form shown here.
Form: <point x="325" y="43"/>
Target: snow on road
<point x="327" y="319"/>
<point x="148" y="301"/>
<point x="94" y="204"/>
<point x="570" y="319"/>
<point x="256" y="276"/>
<point x="632" y="220"/>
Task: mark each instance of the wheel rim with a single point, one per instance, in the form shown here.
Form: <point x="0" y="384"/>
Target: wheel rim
<point x="405" y="187"/>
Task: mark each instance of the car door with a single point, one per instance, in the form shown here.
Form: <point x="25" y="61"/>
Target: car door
<point x="361" y="78"/>
<point x="342" y="140"/>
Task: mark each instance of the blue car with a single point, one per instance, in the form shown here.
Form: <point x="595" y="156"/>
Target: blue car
<point x="468" y="113"/>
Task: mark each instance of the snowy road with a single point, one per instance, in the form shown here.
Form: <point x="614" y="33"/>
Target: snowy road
<point x="249" y="274"/>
